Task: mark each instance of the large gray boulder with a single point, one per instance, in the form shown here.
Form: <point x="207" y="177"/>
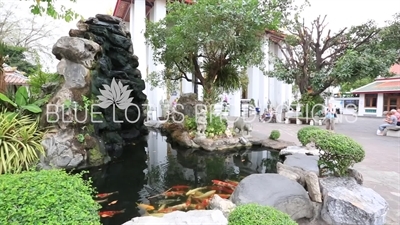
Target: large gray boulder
<point x="198" y="217"/>
<point x="347" y="203"/>
<point x="277" y="191"/>
<point x="304" y="162"/>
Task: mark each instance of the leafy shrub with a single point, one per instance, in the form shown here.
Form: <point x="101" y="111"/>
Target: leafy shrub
<point x="46" y="197"/>
<point x="39" y="78"/>
<point x="305" y="134"/>
<point x="190" y="123"/>
<point x="339" y="153"/>
<point x="254" y="214"/>
<point x="20" y="142"/>
<point x="22" y="101"/>
<point x="216" y="125"/>
<point x="275" y="134"/>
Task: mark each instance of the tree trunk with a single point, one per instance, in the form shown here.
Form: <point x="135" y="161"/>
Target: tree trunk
<point x="3" y="85"/>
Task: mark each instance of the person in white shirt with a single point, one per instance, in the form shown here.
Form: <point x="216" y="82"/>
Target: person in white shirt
<point x="330" y="117"/>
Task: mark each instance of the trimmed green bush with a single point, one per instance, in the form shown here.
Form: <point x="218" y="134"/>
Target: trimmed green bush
<point x="254" y="214"/>
<point x="275" y="134"/>
<point x="339" y="153"/>
<point x="47" y="197"/>
<point x="308" y="134"/>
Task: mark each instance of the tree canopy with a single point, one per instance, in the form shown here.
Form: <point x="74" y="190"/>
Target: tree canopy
<point x="41" y="7"/>
<point x="215" y="40"/>
<point x="315" y="58"/>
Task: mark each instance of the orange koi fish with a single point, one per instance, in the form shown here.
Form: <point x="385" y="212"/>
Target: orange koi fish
<point x="234" y="183"/>
<point x="173" y="193"/>
<point x="102" y="200"/>
<point x="104" y="195"/>
<point x="145" y="207"/>
<point x="110" y="213"/>
<point x="225" y="196"/>
<point x="113" y="202"/>
<point x="224" y="184"/>
<point x="173" y="208"/>
<point x="180" y="187"/>
<point x="222" y="189"/>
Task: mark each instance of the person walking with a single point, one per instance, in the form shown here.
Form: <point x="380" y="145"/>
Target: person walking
<point x="330" y="117"/>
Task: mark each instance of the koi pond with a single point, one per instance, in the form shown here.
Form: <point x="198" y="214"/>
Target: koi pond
<point x="152" y="178"/>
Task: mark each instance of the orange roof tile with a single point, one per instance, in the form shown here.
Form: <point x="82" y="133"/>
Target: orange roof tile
<point x="13" y="76"/>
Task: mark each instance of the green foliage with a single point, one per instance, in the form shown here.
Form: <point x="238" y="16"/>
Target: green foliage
<point x="39" y="78"/>
<point x="275" y="134"/>
<point x="38" y="8"/>
<point x="17" y="58"/>
<point x="47" y="197"/>
<point x="254" y="214"/>
<point x="311" y="105"/>
<point x="316" y="59"/>
<point x="348" y="86"/>
<point x="20" y="142"/>
<point x="213" y="40"/>
<point x="339" y="153"/>
<point x="308" y="134"/>
<point x="22" y="102"/>
<point x="190" y="123"/>
<point x="390" y="35"/>
<point x="216" y="125"/>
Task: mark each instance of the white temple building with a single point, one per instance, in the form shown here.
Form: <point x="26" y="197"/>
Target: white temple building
<point x="260" y="88"/>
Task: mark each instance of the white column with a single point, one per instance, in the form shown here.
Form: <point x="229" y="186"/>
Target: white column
<point x="253" y="86"/>
<point x="379" y="105"/>
<point x="137" y="28"/>
<point x="158" y="94"/>
<point x="361" y="103"/>
<point x="234" y="103"/>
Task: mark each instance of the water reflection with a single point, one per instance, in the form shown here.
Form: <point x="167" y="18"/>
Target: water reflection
<point x="147" y="169"/>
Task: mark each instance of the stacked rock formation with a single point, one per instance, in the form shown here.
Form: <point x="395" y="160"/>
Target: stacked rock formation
<point x="117" y="63"/>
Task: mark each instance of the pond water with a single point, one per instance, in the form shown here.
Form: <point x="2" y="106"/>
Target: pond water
<point x="149" y="168"/>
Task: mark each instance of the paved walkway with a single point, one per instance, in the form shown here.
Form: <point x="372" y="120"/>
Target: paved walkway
<point x="381" y="166"/>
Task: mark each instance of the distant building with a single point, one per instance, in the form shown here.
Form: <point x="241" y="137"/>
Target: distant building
<point x="380" y="96"/>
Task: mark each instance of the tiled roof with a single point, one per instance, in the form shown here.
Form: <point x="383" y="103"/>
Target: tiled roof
<point x="384" y="85"/>
<point x="13" y="76"/>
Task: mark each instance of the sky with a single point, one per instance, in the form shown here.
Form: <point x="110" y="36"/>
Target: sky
<point x="340" y="14"/>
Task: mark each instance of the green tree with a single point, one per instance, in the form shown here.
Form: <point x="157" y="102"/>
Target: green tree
<point x="17" y="58"/>
<point x="40" y="7"/>
<point x="390" y="35"/>
<point x="315" y="59"/>
<point x="213" y="40"/>
<point x="348" y="86"/>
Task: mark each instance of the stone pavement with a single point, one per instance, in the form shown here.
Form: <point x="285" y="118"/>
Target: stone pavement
<point x="381" y="166"/>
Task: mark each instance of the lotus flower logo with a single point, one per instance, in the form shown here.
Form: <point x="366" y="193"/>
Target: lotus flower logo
<point x="116" y="95"/>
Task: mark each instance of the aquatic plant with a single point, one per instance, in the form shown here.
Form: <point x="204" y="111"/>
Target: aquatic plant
<point x="47" y="197"/>
<point x="275" y="134"/>
<point x="20" y="142"/>
<point x="254" y="214"/>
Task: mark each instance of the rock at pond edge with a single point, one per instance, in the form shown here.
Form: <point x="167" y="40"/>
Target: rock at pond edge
<point x="345" y="203"/>
<point x="276" y="191"/>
